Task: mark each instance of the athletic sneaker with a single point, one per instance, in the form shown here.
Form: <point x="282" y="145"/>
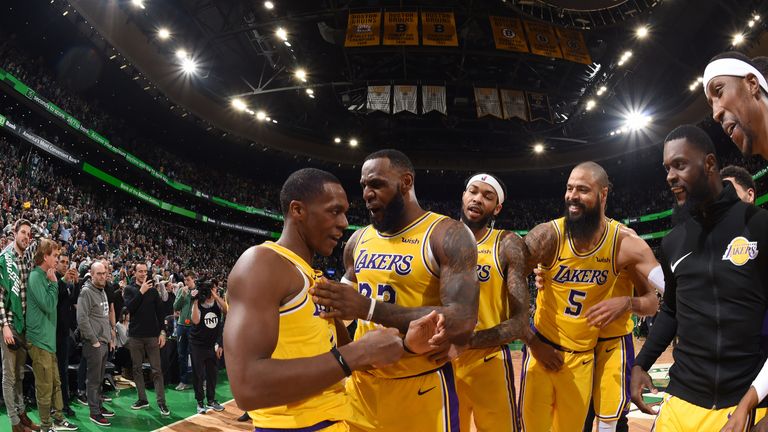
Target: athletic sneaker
<point x="47" y="429"/>
<point x="215" y="406"/>
<point x="183" y="386"/>
<point x="63" y="425"/>
<point x="201" y="409"/>
<point x="244" y="417"/>
<point x="105" y="398"/>
<point x="140" y="404"/>
<point x="107" y="413"/>
<point x="100" y="420"/>
<point x="164" y="410"/>
<point x="82" y="399"/>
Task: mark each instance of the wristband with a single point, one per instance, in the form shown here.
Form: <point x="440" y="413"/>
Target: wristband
<point x="761" y="383"/>
<point x="342" y="362"/>
<point x="370" y="309"/>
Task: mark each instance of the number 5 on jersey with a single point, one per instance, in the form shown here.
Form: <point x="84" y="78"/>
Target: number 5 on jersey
<point x="575" y="300"/>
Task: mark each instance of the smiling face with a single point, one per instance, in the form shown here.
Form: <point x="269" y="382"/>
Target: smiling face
<point x="479" y="204"/>
<point x="686" y="171"/>
<point x="735" y="103"/>
<point x="584" y="198"/>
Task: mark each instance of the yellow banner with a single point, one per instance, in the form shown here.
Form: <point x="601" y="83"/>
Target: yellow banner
<point x="573" y="46"/>
<point x="438" y="29"/>
<point x="542" y="39"/>
<point x="363" y="29"/>
<point x="401" y="28"/>
<point x="508" y="34"/>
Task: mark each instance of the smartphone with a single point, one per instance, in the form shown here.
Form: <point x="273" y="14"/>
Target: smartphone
<point x="72" y="266"/>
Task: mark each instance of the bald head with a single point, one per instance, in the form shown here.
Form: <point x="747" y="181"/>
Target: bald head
<point x="599" y="176"/>
<point x="98" y="274"/>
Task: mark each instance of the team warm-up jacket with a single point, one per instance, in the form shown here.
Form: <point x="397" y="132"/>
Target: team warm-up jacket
<point x="716" y="275"/>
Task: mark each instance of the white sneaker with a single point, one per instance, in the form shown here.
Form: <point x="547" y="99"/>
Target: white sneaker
<point x="182" y="387"/>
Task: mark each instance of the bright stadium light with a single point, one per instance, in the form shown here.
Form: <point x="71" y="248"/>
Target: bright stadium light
<point x="163" y="33"/>
<point x="261" y="116"/>
<point x="538" y="148"/>
<point x="641" y="32"/>
<point x="337" y="140"/>
<point x="591" y="104"/>
<point x="138" y="3"/>
<point x="239" y="105"/>
<point x="282" y="34"/>
<point x="738" y="38"/>
<point x="353" y="142"/>
<point x="636" y="121"/>
<point x="269" y="5"/>
<point x="189" y="66"/>
<point x="301" y="74"/>
<point x="181" y="54"/>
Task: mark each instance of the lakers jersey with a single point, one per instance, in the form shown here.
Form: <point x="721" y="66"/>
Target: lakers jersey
<point x="575" y="282"/>
<point x="623" y="287"/>
<point x="399" y="269"/>
<point x="303" y="333"/>
<point x="493" y="304"/>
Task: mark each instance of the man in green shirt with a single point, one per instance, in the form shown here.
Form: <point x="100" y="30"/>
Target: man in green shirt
<point x="183" y="304"/>
<point x="42" y="299"/>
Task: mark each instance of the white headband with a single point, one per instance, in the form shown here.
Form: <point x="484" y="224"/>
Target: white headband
<point x="731" y="67"/>
<point x="492" y="182"/>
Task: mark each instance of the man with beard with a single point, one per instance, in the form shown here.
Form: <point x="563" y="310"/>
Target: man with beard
<point x="290" y="373"/>
<point x="407" y="263"/>
<point x="484" y="373"/>
<point x="738" y="94"/>
<point x="581" y="255"/>
<point x="715" y="297"/>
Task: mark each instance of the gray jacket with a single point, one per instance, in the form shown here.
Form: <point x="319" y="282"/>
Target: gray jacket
<point x="93" y="314"/>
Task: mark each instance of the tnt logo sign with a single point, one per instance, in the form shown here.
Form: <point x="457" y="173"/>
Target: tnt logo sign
<point x="211" y="320"/>
<point x="740" y="250"/>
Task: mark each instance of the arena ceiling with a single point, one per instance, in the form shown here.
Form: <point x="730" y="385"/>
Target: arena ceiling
<point x="238" y="53"/>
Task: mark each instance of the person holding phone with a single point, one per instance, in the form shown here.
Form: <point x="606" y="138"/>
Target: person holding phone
<point x="145" y="335"/>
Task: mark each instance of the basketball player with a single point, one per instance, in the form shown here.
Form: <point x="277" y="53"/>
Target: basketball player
<point x="484" y="374"/>
<point x="582" y="255"/>
<point x="286" y="364"/>
<point x="407" y="263"/>
<point x="715" y="297"/>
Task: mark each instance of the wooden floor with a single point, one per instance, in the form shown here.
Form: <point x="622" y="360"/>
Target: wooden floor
<point x="226" y="420"/>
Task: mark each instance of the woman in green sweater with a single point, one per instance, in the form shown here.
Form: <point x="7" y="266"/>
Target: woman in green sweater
<point x="42" y="299"/>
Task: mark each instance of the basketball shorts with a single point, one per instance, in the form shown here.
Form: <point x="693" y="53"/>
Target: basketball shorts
<point x="423" y="403"/>
<point x="486" y="386"/>
<point x="556" y="401"/>
<point x="613" y="363"/>
<point x="324" y="426"/>
<point x="677" y="415"/>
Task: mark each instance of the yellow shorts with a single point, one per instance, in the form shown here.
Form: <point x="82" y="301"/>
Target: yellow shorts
<point x="676" y="415"/>
<point x="324" y="426"/>
<point x="422" y="403"/>
<point x="559" y="400"/>
<point x="613" y="363"/>
<point x="485" y="381"/>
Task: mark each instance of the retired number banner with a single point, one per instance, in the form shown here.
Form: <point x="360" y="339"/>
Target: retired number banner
<point x="438" y="29"/>
<point x="508" y="34"/>
<point x="401" y="28"/>
<point x="363" y="29"/>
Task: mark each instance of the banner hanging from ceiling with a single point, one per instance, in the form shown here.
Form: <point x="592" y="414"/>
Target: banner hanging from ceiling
<point x="542" y="39"/>
<point x="508" y="34"/>
<point x="401" y="28"/>
<point x="538" y="107"/>
<point x="363" y="29"/>
<point x="438" y="29"/>
<point x="513" y="104"/>
<point x="487" y="101"/>
<point x="405" y="99"/>
<point x="433" y="99"/>
<point x="573" y="46"/>
<point x="378" y="98"/>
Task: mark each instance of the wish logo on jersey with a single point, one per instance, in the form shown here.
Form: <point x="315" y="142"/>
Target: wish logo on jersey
<point x="401" y="264"/>
<point x="740" y="250"/>
<point x="483" y="272"/>
<point x="580" y="276"/>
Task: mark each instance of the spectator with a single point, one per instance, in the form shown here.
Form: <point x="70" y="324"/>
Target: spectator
<point x="66" y="320"/>
<point x="145" y="335"/>
<point x="183" y="305"/>
<point x="43" y="293"/>
<point x="93" y="321"/>
<point x="205" y="340"/>
<point x="122" y="355"/>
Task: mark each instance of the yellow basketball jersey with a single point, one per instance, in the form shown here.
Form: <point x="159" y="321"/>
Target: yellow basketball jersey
<point x="574" y="283"/>
<point x="493" y="305"/>
<point x="303" y="333"/>
<point x="399" y="269"/>
<point x="623" y="287"/>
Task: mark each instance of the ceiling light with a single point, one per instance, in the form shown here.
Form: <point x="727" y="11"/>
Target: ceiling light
<point x="626" y="55"/>
<point x="538" y="148"/>
<point x="738" y="38"/>
<point x="692" y="87"/>
<point x="189" y="66"/>
<point x="310" y="91"/>
<point x="311" y="96"/>
<point x="353" y="142"/>
<point x="337" y="140"/>
<point x="268" y="119"/>
<point x="269" y="5"/>
<point x="274" y="121"/>
<point x="163" y="33"/>
<point x="641" y="32"/>
<point x="112" y="57"/>
<point x="239" y="105"/>
<point x="591" y="104"/>
<point x="282" y="34"/>
<point x="261" y="115"/>
<point x="699" y="79"/>
<point x="181" y="54"/>
<point x="301" y="74"/>
<point x="601" y="90"/>
<point x="621" y="62"/>
<point x="637" y="121"/>
<point x="751" y="23"/>
<point x="613" y="133"/>
<point x="287" y="43"/>
<point x="65" y="13"/>
<point x="123" y="66"/>
<point x="756" y="17"/>
<point x="138" y="3"/>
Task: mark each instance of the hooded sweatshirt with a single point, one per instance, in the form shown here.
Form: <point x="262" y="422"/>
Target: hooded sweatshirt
<point x="93" y="314"/>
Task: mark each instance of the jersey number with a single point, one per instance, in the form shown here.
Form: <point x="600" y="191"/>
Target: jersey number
<point x="575" y="300"/>
<point x="384" y="292"/>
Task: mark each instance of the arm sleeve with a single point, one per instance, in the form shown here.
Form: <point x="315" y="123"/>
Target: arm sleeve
<point x="665" y="325"/>
<point x="83" y="306"/>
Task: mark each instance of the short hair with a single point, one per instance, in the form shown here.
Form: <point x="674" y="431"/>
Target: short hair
<point x="304" y="185"/>
<point x="761" y="64"/>
<point x="397" y="158"/>
<point x="694" y="135"/>
<point x="598" y="171"/>
<point x="140" y="263"/>
<point x="45" y="248"/>
<point x="734" y="55"/>
<point x="739" y="175"/>
<point x="20" y="223"/>
<point x="190" y="274"/>
<point x="501" y="183"/>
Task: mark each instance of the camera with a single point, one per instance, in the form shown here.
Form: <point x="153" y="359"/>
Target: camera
<point x="204" y="289"/>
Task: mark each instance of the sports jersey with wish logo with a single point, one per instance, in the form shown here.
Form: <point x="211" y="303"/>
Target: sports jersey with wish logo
<point x="400" y="269"/>
<point x="575" y="282"/>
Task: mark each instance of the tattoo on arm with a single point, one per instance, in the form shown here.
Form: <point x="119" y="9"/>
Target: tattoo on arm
<point x="540" y="246"/>
<point x="512" y="253"/>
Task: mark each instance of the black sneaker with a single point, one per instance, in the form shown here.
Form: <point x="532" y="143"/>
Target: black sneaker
<point x="100" y="420"/>
<point x="63" y="425"/>
<point x="244" y="417"/>
<point x="105" y="398"/>
<point x="107" y="413"/>
<point x="82" y="399"/>
<point x="140" y="404"/>
<point x="164" y="411"/>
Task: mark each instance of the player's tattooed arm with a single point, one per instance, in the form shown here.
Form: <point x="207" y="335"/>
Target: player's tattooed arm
<point x="512" y="254"/>
<point x="541" y="245"/>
